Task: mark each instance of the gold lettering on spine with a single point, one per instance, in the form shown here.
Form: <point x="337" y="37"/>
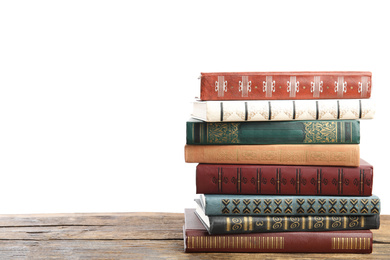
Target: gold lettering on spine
<point x="345" y="222"/>
<point x="310" y="222"/>
<point x="362" y="220"/>
<point x="228" y="224"/>
<point x="333" y="243"/>
<point x="327" y="222"/>
<point x="285" y="223"/>
<point x="245" y="223"/>
<point x="303" y="223"/>
<point x="268" y="223"/>
<point x="250" y="224"/>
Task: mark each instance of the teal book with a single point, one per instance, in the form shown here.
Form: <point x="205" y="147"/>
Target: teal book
<point x="217" y="225"/>
<point x="272" y="205"/>
<point x="274" y="132"/>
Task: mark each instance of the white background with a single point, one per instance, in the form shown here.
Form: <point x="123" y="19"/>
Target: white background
<point x="94" y="95"/>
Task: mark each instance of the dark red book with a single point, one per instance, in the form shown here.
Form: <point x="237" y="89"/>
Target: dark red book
<point x="197" y="239"/>
<point x="285" y="85"/>
<point x="284" y="179"/>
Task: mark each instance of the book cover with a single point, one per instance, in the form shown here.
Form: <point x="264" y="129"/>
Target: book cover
<point x="284" y="179"/>
<point x="289" y="154"/>
<point x="217" y="225"/>
<point x="286" y="205"/>
<point x="282" y="110"/>
<point x="197" y="239"/>
<point x="285" y="85"/>
<point x="272" y="132"/>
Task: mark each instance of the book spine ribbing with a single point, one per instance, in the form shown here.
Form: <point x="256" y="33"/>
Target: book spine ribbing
<point x="262" y="224"/>
<point x="287" y="85"/>
<point x="287" y="242"/>
<point x="285" y="110"/>
<point x="284" y="180"/>
<point x="302" y="154"/>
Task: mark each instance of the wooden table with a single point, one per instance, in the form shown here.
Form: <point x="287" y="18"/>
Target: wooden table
<point x="128" y="236"/>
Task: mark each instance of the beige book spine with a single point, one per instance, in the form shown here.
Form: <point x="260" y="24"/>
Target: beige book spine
<point x="331" y="154"/>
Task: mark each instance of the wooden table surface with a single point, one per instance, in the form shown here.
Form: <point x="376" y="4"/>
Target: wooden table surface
<point x="128" y="236"/>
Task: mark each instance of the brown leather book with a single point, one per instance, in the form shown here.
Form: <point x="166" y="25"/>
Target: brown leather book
<point x="284" y="179"/>
<point x="285" y="85"/>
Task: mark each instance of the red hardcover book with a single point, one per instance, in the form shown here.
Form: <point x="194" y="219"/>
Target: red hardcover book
<point x="285" y="85"/>
<point x="284" y="179"/>
<point x="197" y="239"/>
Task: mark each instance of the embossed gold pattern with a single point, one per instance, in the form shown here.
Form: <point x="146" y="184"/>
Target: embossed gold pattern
<point x="320" y="132"/>
<point x="222" y="133"/>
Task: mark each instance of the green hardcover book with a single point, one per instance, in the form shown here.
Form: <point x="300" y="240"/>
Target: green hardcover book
<point x="276" y="205"/>
<point x="217" y="225"/>
<point x="274" y="132"/>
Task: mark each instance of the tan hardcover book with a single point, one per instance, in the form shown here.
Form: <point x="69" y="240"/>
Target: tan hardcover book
<point x="312" y="154"/>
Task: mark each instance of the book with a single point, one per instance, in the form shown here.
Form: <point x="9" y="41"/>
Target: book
<point x="282" y="110"/>
<point x="272" y="132"/>
<point x="285" y="85"/>
<point x="286" y="205"/>
<point x="197" y="239"/>
<point x="284" y="179"/>
<point x="217" y="225"/>
<point x="289" y="154"/>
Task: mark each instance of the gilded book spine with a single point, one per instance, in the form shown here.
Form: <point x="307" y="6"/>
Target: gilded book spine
<point x="284" y="85"/>
<point x="284" y="132"/>
<point x="282" y="242"/>
<point x="302" y="154"/>
<point x="284" y="179"/>
<point x="283" y="110"/>
<point x="197" y="239"/>
<point x="268" y="205"/>
<point x="261" y="224"/>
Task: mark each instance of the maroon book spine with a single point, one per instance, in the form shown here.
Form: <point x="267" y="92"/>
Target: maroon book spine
<point x="284" y="179"/>
<point x="197" y="239"/>
<point x="285" y="85"/>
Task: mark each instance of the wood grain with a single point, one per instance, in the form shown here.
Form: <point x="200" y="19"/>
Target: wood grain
<point x="128" y="236"/>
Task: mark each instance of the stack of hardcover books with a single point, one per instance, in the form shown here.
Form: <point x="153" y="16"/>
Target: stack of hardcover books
<point x="279" y="167"/>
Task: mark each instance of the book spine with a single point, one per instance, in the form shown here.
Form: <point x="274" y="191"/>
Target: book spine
<point x="261" y="224"/>
<point x="263" y="205"/>
<point x="284" y="180"/>
<point x="286" y="110"/>
<point x="301" y="154"/>
<point x="287" y="242"/>
<point x="293" y="86"/>
<point x="288" y="132"/>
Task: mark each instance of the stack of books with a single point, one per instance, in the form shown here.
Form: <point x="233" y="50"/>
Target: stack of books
<point x="279" y="167"/>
